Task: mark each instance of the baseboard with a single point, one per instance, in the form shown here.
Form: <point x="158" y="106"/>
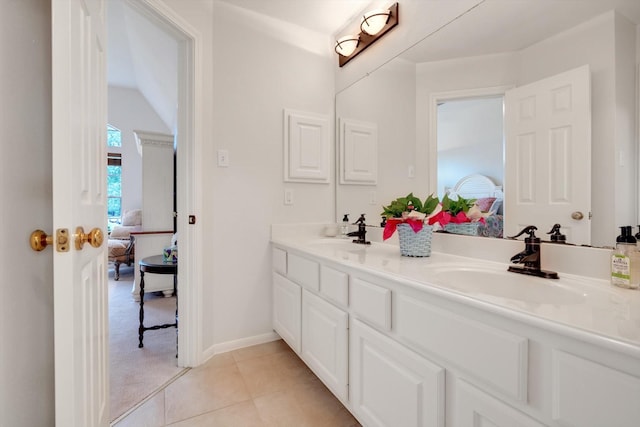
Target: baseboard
<point x="237" y="344"/>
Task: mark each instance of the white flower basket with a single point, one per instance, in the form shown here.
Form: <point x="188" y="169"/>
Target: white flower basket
<point x="468" y="228"/>
<point x="415" y="244"/>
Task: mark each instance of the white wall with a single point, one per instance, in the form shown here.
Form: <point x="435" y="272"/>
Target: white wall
<point x="276" y="66"/>
<point x="128" y="110"/>
<point x="253" y="67"/>
<point x="470" y="140"/>
<point x="26" y="306"/>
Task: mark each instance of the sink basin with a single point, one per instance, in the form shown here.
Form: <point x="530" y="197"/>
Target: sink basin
<point x="512" y="286"/>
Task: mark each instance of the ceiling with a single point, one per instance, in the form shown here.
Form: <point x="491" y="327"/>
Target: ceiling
<point x="322" y="16"/>
<point x="143" y="56"/>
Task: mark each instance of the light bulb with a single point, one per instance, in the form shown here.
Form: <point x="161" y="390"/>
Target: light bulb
<point x="374" y="21"/>
<point x="346" y="45"/>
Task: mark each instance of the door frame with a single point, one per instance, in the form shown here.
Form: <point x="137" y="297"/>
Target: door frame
<point x="437" y="97"/>
<point x="188" y="172"/>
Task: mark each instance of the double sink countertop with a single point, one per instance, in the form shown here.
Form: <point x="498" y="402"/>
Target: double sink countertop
<point x="585" y="308"/>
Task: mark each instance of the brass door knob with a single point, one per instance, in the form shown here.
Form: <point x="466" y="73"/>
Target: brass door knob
<point x="95" y="238"/>
<point x="39" y="240"/>
<point x="577" y="215"/>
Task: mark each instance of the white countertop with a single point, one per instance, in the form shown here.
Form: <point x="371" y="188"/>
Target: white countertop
<point x="585" y="308"/>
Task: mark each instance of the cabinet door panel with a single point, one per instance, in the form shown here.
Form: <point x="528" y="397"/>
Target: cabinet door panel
<point x="474" y="408"/>
<point x="324" y="342"/>
<point x="390" y="385"/>
<point x="286" y="310"/>
<point x="588" y="394"/>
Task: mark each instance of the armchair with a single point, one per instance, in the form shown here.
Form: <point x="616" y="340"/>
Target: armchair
<point x="121" y="252"/>
<point x="121" y="244"/>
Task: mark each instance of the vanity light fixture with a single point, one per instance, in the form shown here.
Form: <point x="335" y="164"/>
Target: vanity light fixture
<point x="374" y="25"/>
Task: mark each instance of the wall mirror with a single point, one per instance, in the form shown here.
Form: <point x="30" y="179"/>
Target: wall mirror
<point x="415" y="104"/>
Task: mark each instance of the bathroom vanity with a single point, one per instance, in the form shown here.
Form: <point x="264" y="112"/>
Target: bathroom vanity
<point x="452" y="340"/>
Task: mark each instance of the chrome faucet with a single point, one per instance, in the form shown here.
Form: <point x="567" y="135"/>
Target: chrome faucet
<point x="530" y="256"/>
<point x="361" y="233"/>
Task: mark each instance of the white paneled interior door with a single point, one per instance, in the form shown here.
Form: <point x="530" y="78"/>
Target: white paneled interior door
<point x="79" y="184"/>
<point x="548" y="155"/>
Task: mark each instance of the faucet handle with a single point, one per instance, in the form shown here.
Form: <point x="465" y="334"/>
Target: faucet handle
<point x="556" y="235"/>
<point x="361" y="220"/>
<point x="530" y="230"/>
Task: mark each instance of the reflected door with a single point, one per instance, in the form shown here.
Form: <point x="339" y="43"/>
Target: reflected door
<point x="548" y="155"/>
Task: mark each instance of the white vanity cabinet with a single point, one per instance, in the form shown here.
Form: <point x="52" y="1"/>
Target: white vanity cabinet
<point x="316" y="329"/>
<point x="400" y="352"/>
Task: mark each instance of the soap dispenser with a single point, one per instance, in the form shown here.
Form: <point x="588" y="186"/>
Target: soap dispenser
<point x="344" y="230"/>
<point x="625" y="261"/>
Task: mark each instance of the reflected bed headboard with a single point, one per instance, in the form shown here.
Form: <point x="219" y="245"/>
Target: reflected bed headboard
<point x="476" y="186"/>
<point x="489" y="198"/>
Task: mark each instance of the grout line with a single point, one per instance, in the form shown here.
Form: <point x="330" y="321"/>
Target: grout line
<point x="149" y="397"/>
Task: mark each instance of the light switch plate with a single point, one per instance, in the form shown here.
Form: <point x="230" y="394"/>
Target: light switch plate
<point x="223" y="158"/>
<point x="288" y="196"/>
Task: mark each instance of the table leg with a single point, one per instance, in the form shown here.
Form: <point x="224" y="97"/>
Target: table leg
<point x="175" y="292"/>
<point x="141" y="327"/>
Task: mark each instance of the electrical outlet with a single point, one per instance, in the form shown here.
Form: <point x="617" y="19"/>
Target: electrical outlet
<point x="288" y="196"/>
<point x="412" y="171"/>
<point x="373" y="199"/>
<point x="223" y="158"/>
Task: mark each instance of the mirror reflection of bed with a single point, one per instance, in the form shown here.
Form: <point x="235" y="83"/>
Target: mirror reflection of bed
<point x="489" y="198"/>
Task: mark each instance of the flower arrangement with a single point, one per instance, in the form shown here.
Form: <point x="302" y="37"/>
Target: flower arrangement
<point x="409" y="210"/>
<point x="412" y="211"/>
<point x="458" y="211"/>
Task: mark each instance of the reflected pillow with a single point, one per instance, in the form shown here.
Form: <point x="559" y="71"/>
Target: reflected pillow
<point x="132" y="217"/>
<point x="485" y="203"/>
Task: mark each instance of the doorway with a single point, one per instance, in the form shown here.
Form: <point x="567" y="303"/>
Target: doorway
<point x="180" y="109"/>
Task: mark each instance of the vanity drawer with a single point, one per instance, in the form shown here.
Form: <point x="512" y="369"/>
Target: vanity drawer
<point x="493" y="356"/>
<point x="371" y="303"/>
<point x="589" y="394"/>
<point x="279" y="261"/>
<point x="334" y="285"/>
<point x="304" y="272"/>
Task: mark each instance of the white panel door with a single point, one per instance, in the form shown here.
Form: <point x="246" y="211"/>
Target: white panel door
<point x="79" y="183"/>
<point x="548" y="155"/>
<point x="325" y="342"/>
<point x="390" y="385"/>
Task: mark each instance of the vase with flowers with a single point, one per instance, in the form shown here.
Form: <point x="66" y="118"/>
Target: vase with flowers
<point x="411" y="217"/>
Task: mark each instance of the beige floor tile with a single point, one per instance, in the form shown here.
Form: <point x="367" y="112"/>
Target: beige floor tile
<point x="263" y="376"/>
<point x="261" y="386"/>
<point x="219" y="360"/>
<point x="260" y="350"/>
<point x="321" y="407"/>
<point x="149" y="414"/>
<point x="292" y="367"/>
<point x="242" y="414"/>
<point x="281" y="409"/>
<point x="203" y="390"/>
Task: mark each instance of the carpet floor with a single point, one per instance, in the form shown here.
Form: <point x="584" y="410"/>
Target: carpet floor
<point x="136" y="373"/>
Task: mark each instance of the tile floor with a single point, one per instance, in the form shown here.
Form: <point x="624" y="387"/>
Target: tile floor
<point x="263" y="385"/>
